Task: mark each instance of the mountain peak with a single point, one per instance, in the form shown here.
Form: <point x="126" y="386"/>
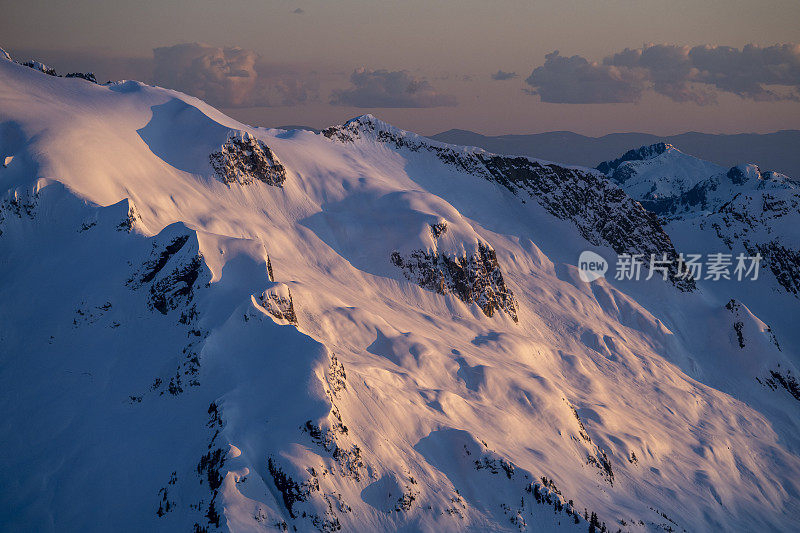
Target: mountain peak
<point x="368" y="123"/>
<point x="638" y="154"/>
<point x="371" y="127"/>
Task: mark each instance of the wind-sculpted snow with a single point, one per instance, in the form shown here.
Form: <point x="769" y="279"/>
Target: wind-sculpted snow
<point x="184" y="354"/>
<point x="602" y="212"/>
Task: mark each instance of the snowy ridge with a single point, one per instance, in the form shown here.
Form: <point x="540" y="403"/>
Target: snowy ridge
<point x="41" y="67"/>
<point x="212" y="355"/>
<point x="746" y="210"/>
<point x="570" y="193"/>
<point x="642" y="153"/>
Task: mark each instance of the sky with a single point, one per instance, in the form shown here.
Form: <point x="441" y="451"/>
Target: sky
<point x="494" y="67"/>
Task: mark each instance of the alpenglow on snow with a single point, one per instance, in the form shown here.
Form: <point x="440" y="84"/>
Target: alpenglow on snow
<point x="210" y="326"/>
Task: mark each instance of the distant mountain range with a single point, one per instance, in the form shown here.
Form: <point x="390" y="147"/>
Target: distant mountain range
<point x="777" y="151"/>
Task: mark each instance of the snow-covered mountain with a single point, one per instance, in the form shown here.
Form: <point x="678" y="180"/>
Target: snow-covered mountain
<point x="659" y="175"/>
<point x="211" y="326"/>
<point x="676" y="185"/>
<point x="736" y="210"/>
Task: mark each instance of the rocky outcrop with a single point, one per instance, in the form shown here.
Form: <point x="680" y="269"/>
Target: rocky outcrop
<point x="638" y="154"/>
<point x="41" y="67"/>
<point x="602" y="212"/>
<point x="18" y="205"/>
<point x="475" y="278"/>
<point x="762" y="223"/>
<point x="595" y="456"/>
<point x="88" y="76"/>
<point x="244" y="159"/>
<point x="786" y="380"/>
<point x="173" y="272"/>
<point x="278" y="302"/>
<point x="784" y="263"/>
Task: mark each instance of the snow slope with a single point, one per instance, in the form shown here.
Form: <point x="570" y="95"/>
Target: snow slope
<point x="211" y="326"/>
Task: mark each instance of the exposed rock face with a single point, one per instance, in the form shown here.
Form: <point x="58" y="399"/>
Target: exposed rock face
<point x="639" y="154"/>
<point x="695" y="198"/>
<point x="278" y="302"/>
<point x="784" y="264"/>
<point x="243" y="159"/>
<point x="738" y="326"/>
<point x="176" y="288"/>
<point x="714" y="192"/>
<point x="602" y="212"/>
<point x="131" y="220"/>
<point x="476" y="278"/>
<point x="737" y="176"/>
<point x="172" y="273"/>
<point x="787" y="381"/>
<point x="19" y="206"/>
<point x="41" y="67"/>
<point x="741" y="314"/>
<point x="88" y="76"/>
<point x="762" y="222"/>
<point x="438" y="229"/>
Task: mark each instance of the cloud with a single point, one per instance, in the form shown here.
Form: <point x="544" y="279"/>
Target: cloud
<point x="746" y="72"/>
<point x="574" y="80"/>
<point x="230" y="77"/>
<point x="668" y="69"/>
<point x="299" y="11"/>
<point x="502" y="75"/>
<point x="383" y="88"/>
<point x="680" y="73"/>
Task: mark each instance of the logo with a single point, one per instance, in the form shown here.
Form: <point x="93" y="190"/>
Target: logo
<point x="591" y="266"/>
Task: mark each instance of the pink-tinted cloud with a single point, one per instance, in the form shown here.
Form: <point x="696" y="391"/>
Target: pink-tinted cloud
<point x="230" y="77"/>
